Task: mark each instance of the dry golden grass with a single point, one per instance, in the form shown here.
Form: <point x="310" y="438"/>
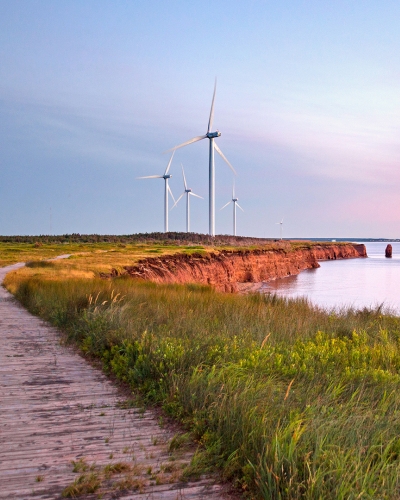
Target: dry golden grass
<point x="101" y="255"/>
<point x="14" y="278"/>
<point x="87" y="261"/>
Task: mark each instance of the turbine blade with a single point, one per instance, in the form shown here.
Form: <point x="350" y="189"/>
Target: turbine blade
<point x="151" y="177"/>
<point x="184" y="178"/>
<point x="233" y="189"/>
<point x="169" y="163"/>
<point x="170" y="192"/>
<point x="226" y="205"/>
<point x="195" y="139"/>
<point x="197" y="196"/>
<point x="211" y="119"/>
<point x="223" y="157"/>
<point x="177" y="201"/>
<point x="237" y="204"/>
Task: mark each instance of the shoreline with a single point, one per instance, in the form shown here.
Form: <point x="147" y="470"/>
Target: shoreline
<point x="231" y="270"/>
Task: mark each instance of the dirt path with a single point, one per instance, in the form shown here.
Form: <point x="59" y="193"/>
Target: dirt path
<point x="55" y="408"/>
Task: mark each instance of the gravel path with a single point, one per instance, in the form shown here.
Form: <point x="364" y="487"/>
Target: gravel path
<point x="56" y="409"/>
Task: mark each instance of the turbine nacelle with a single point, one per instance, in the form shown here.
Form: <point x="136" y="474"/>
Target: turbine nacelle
<point x="188" y="190"/>
<point x="166" y="176"/>
<point x="213" y="135"/>
<point x="235" y="199"/>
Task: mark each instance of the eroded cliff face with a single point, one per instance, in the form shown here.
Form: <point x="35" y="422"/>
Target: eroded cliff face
<point x="226" y="269"/>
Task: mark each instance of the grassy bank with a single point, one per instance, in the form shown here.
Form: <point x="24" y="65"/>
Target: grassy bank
<point x="287" y="400"/>
<point x="90" y="257"/>
<point x="126" y="250"/>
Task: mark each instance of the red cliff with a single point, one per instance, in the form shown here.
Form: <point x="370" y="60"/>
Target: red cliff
<point x="225" y="269"/>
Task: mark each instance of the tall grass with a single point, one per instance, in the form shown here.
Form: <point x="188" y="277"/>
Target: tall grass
<point x="289" y="401"/>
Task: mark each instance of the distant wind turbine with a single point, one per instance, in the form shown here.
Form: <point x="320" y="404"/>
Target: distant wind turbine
<point x="235" y="204"/>
<point x="211" y="136"/>
<point x="281" y="224"/>
<point x="167" y="190"/>
<point x="188" y="193"/>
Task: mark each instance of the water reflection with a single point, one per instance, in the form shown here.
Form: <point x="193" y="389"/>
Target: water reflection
<point x="355" y="282"/>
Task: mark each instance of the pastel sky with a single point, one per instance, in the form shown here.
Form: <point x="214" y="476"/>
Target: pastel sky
<point x="308" y="104"/>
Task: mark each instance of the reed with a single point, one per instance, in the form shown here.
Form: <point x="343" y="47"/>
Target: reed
<point x="289" y="401"/>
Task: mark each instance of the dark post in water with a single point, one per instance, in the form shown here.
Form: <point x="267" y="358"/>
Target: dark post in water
<point x="388" y="251"/>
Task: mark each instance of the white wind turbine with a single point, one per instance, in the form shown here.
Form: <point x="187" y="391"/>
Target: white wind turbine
<point x="188" y="193"/>
<point x="211" y="136"/>
<point x="235" y="204"/>
<point x="167" y="189"/>
<point x="281" y="224"/>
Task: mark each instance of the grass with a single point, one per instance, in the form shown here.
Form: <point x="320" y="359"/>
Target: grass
<point x="86" y="260"/>
<point x="115" y="468"/>
<point x="95" y="258"/>
<point x="101" y="256"/>
<point x="80" y="465"/>
<point x="115" y="476"/>
<point x="103" y="479"/>
<point x="288" y="401"/>
<point x="90" y="260"/>
<point x="83" y="485"/>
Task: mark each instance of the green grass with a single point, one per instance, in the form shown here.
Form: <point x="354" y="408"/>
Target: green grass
<point x="126" y="250"/>
<point x="287" y="400"/>
<point x="90" y="258"/>
<point x="29" y="248"/>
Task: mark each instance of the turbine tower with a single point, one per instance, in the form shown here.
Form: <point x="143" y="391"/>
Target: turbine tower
<point x="167" y="190"/>
<point x="211" y="136"/>
<point x="281" y="224"/>
<point x="234" y="200"/>
<point x="188" y="193"/>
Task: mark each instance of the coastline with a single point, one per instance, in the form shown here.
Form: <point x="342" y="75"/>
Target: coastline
<point x="234" y="270"/>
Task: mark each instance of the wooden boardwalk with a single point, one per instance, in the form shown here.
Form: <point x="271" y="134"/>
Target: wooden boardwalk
<point x="56" y="409"/>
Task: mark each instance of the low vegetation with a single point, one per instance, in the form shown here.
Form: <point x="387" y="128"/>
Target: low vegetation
<point x="94" y="258"/>
<point x="287" y="400"/>
<point x="125" y="248"/>
<point x="117" y="476"/>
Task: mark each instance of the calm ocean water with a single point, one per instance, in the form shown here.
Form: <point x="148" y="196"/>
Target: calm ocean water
<point x="355" y="282"/>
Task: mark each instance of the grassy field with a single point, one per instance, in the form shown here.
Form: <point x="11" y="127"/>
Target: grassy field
<point x="89" y="257"/>
<point x="97" y="257"/>
<point x="287" y="400"/>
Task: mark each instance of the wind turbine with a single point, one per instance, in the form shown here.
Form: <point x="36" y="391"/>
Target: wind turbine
<point x="235" y="204"/>
<point x="167" y="190"/>
<point x="211" y="136"/>
<point x="281" y="223"/>
<point x="188" y="193"/>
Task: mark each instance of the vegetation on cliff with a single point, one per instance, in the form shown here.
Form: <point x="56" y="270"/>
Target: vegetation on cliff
<point x="96" y="257"/>
<point x="100" y="253"/>
<point x="289" y="401"/>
